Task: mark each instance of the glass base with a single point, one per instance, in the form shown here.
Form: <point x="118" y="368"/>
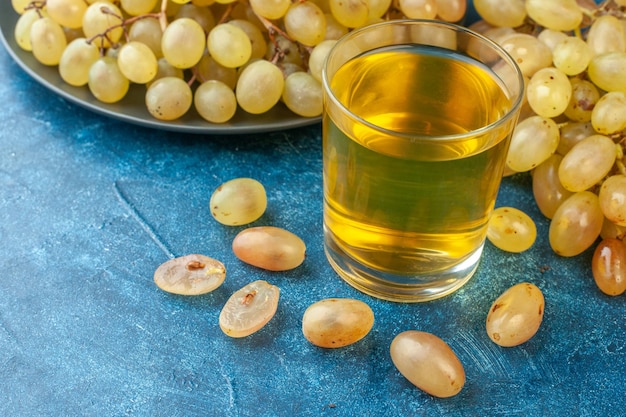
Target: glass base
<point x="399" y="288"/>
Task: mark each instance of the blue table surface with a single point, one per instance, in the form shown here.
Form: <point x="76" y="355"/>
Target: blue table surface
<point x="90" y="206"/>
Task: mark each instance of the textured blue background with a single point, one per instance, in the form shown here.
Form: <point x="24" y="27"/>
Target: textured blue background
<point x="90" y="206"/>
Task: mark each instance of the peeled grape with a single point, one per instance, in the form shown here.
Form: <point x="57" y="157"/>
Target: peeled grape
<point x="249" y="309"/>
<point x="587" y="163"/>
<point x="268" y="247"/>
<point x="190" y="275"/>
<point x="576" y="224"/>
<point x="238" y="201"/>
<point x="608" y="266"/>
<point x="428" y="363"/>
<point x="516" y="315"/>
<point x="337" y="322"/>
<point x="511" y="229"/>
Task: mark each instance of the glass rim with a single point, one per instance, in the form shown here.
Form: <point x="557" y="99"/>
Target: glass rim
<point x="503" y="54"/>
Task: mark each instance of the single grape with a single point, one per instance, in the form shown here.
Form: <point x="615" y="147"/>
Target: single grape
<point x="612" y="198"/>
<point x="268" y="247"/>
<point x="22" y="29"/>
<point x="209" y="69"/>
<point x="138" y="7"/>
<point x="533" y="141"/>
<point x="549" y="92"/>
<point x="202" y="15"/>
<point x="418" y="9"/>
<point x="47" y="40"/>
<point x="103" y="18"/>
<point x="137" y="62"/>
<point x="585" y="95"/>
<point x="257" y="39"/>
<point x="249" y="309"/>
<point x="183" y="43"/>
<point x="606" y="34"/>
<point x="259" y="87"/>
<point x="215" y="102"/>
<point x="609" y="113"/>
<point x="190" y="275"/>
<point x="305" y="23"/>
<point x="165" y="69"/>
<point x="350" y="13"/>
<point x="529" y="52"/>
<point x="302" y="94"/>
<point x="428" y="363"/>
<point x="548" y="191"/>
<point x="516" y="315"/>
<point x="76" y="61"/>
<point x="572" y="133"/>
<point x="337" y="322"/>
<point x="270" y="9"/>
<point x="106" y="81"/>
<point x="147" y="31"/>
<point x="551" y="38"/>
<point x="571" y="56"/>
<point x="561" y="15"/>
<point x="238" y="201"/>
<point x="509" y="13"/>
<point x="511" y="229"/>
<point x="229" y="45"/>
<point x="607" y="71"/>
<point x="451" y="10"/>
<point x="318" y="56"/>
<point x="67" y="13"/>
<point x="168" y="98"/>
<point x="587" y="163"/>
<point x="608" y="266"/>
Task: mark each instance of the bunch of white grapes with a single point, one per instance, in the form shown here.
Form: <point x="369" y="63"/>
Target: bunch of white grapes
<point x="215" y="55"/>
<point x="572" y="127"/>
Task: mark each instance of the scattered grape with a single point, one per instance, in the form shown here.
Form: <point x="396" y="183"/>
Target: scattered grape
<point x="608" y="266"/>
<point x="511" y="229"/>
<point x="190" y="275"/>
<point x="238" y="202"/>
<point x="249" y="309"/>
<point x="337" y="322"/>
<point x="268" y="247"/>
<point x="516" y="315"/>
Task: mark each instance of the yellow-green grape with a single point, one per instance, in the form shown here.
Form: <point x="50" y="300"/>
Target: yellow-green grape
<point x="47" y="41"/>
<point x="451" y="10"/>
<point x="571" y="55"/>
<point x="257" y="39"/>
<point x="106" y="81"/>
<point x="551" y="38"/>
<point x="229" y="45"/>
<point x="209" y="69"/>
<point x="609" y="113"/>
<point x="587" y="163"/>
<point x="606" y="34"/>
<point x="334" y="29"/>
<point x="76" y="61"/>
<point x="612" y="198"/>
<point x="67" y="13"/>
<point x="169" y="98"/>
<point x="238" y="201"/>
<point x="190" y="275"/>
<point x="607" y="71"/>
<point x="137" y="62"/>
<point x="561" y="15"/>
<point x="259" y="87"/>
<point x="511" y="229"/>
<point x="549" y="92"/>
<point x="305" y="23"/>
<point x="501" y="13"/>
<point x="20" y="5"/>
<point x="576" y="224"/>
<point x="548" y="191"/>
<point x="22" y="28"/>
<point x="529" y="52"/>
<point x="318" y="56"/>
<point x="270" y="9"/>
<point x="215" y="102"/>
<point x="202" y="15"/>
<point x="337" y="322"/>
<point x="183" y="43"/>
<point x="138" y="7"/>
<point x="428" y="363"/>
<point x="516" y="315"/>
<point x="147" y="31"/>
<point x="249" y="309"/>
<point x="302" y="94"/>
<point x="376" y="8"/>
<point x="585" y="95"/>
<point x="608" y="266"/>
<point x="418" y="9"/>
<point x="165" y="69"/>
<point x="534" y="139"/>
<point x="268" y="247"/>
<point x="350" y="13"/>
<point x="102" y="18"/>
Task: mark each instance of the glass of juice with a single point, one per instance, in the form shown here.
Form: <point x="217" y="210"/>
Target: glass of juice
<point x="416" y="127"/>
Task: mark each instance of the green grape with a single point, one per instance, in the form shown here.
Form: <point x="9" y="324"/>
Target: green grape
<point x="576" y="224"/>
<point x="606" y="34"/>
<point x="509" y="13"/>
<point x="533" y="141"/>
<point x="137" y="62"/>
<point x="229" y="45"/>
<point x="270" y="248"/>
<point x="585" y="95"/>
<point x="210" y="69"/>
<point x="561" y="15"/>
<point x="67" y="13"/>
<point x="529" y="52"/>
<point x="612" y="198"/>
<point x="47" y="40"/>
<point x="607" y="71"/>
<point x="238" y="201"/>
<point x="608" y="266"/>
<point x="76" y="60"/>
<point x="183" y="43"/>
<point x="511" y="230"/>
<point x="259" y="87"/>
<point x="305" y="23"/>
<point x="318" y="56"/>
<point x="138" y="7"/>
<point x="106" y="81"/>
<point x="22" y="29"/>
<point x="215" y="101"/>
<point x="571" y="55"/>
<point x="350" y="13"/>
<point x="168" y="98"/>
<point x="548" y="191"/>
<point x="549" y="92"/>
<point x="587" y="163"/>
<point x="249" y="309"/>
<point x="609" y="114"/>
<point x="147" y="31"/>
<point x="302" y="94"/>
<point x="257" y="40"/>
<point x="337" y="322"/>
<point x="102" y="18"/>
<point x="270" y="9"/>
<point x="202" y="15"/>
<point x="418" y="9"/>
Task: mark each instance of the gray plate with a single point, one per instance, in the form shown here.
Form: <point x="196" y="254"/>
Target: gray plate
<point x="132" y="108"/>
